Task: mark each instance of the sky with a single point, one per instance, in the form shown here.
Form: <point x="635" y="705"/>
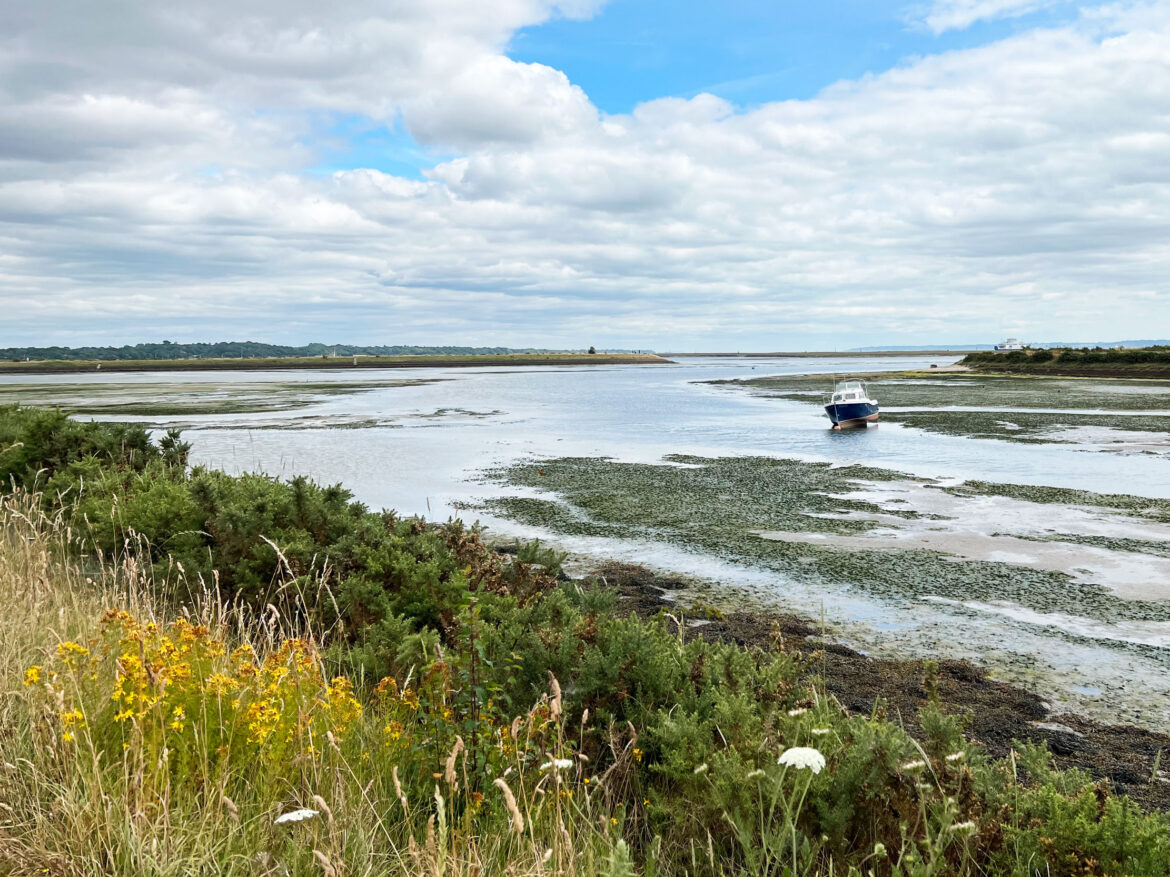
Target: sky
<point x="643" y="174"/>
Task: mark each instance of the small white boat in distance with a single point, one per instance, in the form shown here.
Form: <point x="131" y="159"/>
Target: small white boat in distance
<point x="1010" y="344"/>
<point x="850" y="405"/>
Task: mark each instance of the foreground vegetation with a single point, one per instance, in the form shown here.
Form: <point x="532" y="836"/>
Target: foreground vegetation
<point x="237" y="675"/>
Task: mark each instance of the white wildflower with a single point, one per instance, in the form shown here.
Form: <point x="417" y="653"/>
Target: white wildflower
<point x="801" y="757"/>
<point x="558" y="763"/>
<point x="755" y="775"/>
<point x="879" y="850"/>
<point x="701" y="769"/>
<point x="956" y="756"/>
<point x="820" y="732"/>
<point x="963" y="826"/>
<point x="914" y="765"/>
<point x="799" y="711"/>
<point x="296" y="816"/>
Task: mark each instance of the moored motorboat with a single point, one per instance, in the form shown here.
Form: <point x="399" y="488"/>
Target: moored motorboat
<point x="850" y="405"/>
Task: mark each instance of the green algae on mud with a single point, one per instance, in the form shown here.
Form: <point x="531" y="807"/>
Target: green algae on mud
<point x="1026" y="427"/>
<point x="189" y="398"/>
<point x="1138" y="506"/>
<point x="722" y="506"/>
<point x="926" y="390"/>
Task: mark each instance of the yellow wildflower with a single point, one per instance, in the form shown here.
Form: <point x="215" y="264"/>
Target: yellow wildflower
<point x="69" y="650"/>
<point x="32" y="675"/>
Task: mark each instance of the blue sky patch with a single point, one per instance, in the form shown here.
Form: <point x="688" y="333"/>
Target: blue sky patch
<point x="744" y="51"/>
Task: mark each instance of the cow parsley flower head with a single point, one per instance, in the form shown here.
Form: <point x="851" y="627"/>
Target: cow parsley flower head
<point x="914" y="765"/>
<point x="820" y="732"/>
<point x="558" y="763"/>
<point x="801" y="757"/>
<point x="956" y="756"/>
<point x="799" y="711"/>
<point x="295" y="816"/>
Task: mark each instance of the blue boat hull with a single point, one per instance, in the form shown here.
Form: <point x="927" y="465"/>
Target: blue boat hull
<point x="852" y="413"/>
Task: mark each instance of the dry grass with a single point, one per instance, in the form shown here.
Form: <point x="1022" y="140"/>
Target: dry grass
<point x="78" y="806"/>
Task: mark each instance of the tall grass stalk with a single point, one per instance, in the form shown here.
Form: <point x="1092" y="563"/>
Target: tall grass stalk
<point x="69" y="807"/>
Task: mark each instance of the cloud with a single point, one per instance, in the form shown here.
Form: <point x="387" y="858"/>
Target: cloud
<point x="158" y="183"/>
<point x="493" y="100"/>
<point x="946" y="15"/>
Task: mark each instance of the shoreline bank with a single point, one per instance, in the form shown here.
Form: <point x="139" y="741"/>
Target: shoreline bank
<point x="997" y="713"/>
<point x="49" y="366"/>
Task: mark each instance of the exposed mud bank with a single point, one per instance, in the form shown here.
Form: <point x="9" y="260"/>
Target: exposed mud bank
<point x="1053" y="590"/>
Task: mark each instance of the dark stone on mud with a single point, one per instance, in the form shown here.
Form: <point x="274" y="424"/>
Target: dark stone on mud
<point x="1064" y="743"/>
<point x="997" y="714"/>
<point x="844" y="651"/>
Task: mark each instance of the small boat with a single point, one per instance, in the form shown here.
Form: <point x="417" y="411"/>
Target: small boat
<point x="1010" y="344"/>
<point x="850" y="405"/>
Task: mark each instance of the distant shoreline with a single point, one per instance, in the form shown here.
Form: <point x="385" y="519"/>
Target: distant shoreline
<point x="52" y="366"/>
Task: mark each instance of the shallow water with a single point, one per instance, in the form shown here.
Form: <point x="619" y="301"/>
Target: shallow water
<point x="424" y="449"/>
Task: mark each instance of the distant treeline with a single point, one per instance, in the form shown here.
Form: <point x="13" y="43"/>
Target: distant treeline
<point x="1067" y="357"/>
<point x="242" y="350"/>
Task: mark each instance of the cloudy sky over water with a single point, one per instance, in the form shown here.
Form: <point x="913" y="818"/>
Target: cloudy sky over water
<point x="669" y="174"/>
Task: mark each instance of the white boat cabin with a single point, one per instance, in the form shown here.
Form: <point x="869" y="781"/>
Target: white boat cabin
<point x="849" y="391"/>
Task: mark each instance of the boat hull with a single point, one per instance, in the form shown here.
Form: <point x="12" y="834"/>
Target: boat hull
<point x="849" y="414"/>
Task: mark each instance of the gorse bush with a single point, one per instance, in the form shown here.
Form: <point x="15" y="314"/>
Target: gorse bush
<point x="204" y="653"/>
<point x="44" y="445"/>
